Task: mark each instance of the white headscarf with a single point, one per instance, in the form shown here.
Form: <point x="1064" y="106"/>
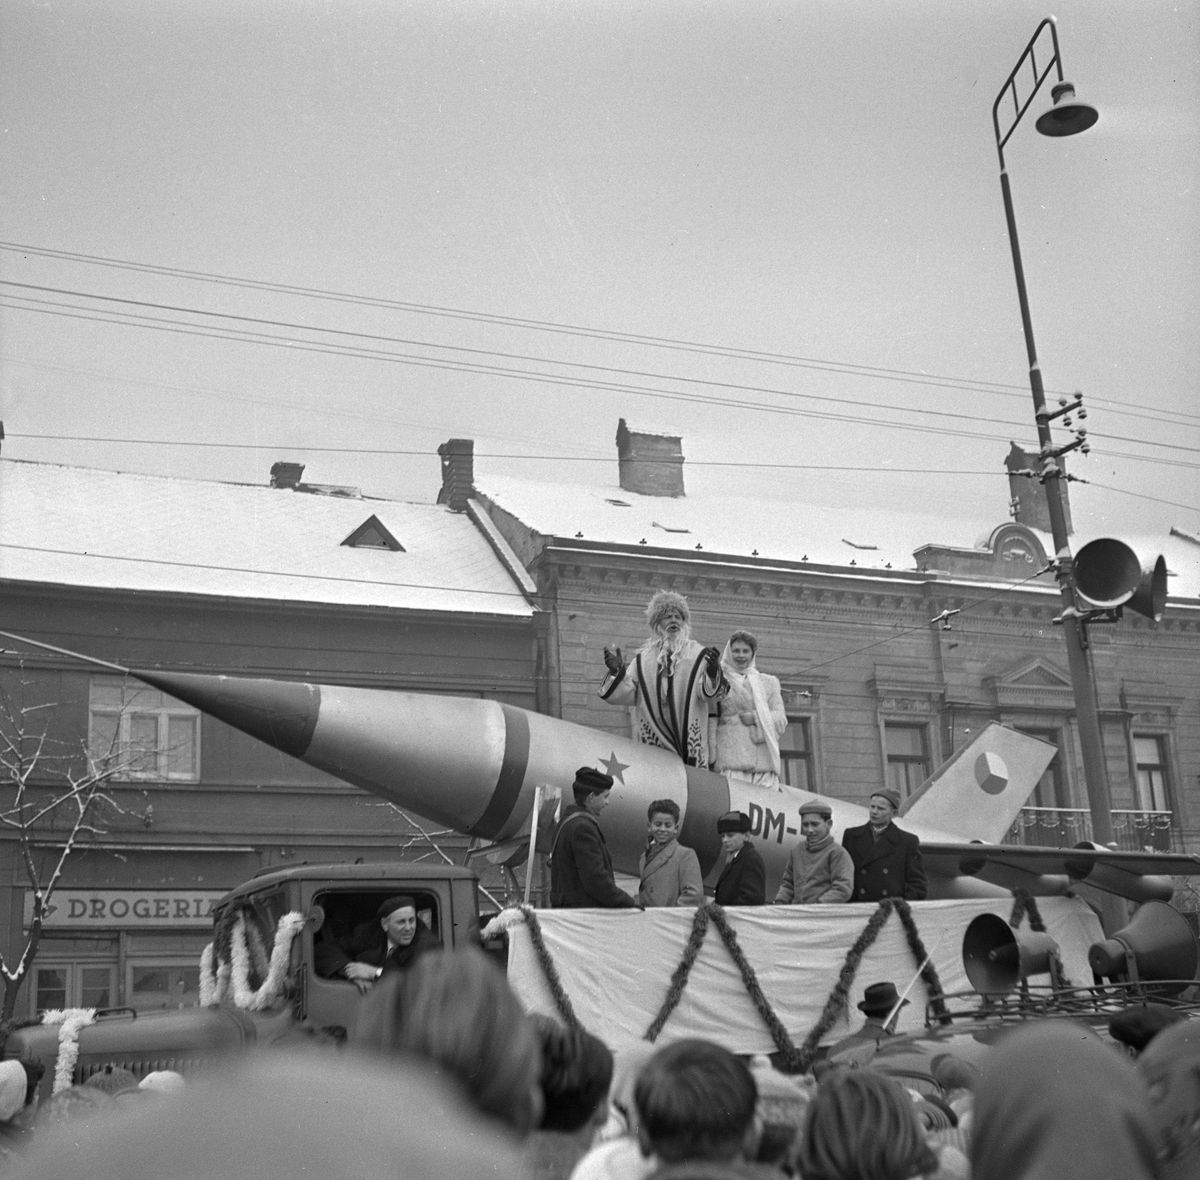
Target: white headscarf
<point x="758" y="690"/>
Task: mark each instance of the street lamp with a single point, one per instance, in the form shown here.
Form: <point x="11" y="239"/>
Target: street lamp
<point x="1066" y="117"/>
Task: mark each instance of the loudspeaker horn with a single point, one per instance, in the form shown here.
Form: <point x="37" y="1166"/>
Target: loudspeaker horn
<point x="996" y="957"/>
<point x="1157" y="944"/>
<point x="1109" y="574"/>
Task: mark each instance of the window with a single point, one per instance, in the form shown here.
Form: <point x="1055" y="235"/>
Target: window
<point x="1150" y="761"/>
<point x="74" y="985"/>
<point x="796" y="755"/>
<point x="163" y="985"/>
<point x="1051" y="789"/>
<point x="907" y="756"/>
<point x="151" y="735"/>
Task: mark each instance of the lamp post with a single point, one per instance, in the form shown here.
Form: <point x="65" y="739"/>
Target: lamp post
<point x="1066" y="117"/>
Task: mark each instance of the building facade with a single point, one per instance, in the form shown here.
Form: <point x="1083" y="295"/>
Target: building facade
<point x="896" y="635"/>
<point x="288" y="581"/>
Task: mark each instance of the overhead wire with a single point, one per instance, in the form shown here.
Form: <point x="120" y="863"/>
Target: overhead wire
<point x="380" y="338"/>
<point x="300" y="344"/>
<point x="700" y="348"/>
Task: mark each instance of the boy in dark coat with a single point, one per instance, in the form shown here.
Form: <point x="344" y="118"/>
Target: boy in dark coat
<point x="887" y="860"/>
<point x="743" y="879"/>
<point x="581" y="872"/>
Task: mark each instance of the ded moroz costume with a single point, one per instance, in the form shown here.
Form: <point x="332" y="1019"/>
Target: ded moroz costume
<point x="673" y="683"/>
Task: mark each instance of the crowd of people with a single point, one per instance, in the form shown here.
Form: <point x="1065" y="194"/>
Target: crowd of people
<point x="446" y="1075"/>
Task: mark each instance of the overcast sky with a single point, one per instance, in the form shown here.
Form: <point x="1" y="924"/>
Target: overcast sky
<point x="365" y="195"/>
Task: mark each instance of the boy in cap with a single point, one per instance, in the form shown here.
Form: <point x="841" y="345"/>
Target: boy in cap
<point x="818" y="868"/>
<point x="743" y="879"/>
<point x="581" y="872"/>
<point x="887" y="860"/>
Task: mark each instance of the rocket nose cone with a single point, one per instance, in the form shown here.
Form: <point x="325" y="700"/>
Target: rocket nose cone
<point x="281" y="713"/>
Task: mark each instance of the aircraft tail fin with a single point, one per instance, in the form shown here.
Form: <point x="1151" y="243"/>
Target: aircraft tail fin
<point x="980" y="790"/>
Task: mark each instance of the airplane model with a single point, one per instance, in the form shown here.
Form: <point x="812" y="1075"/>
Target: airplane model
<point x="476" y="765"/>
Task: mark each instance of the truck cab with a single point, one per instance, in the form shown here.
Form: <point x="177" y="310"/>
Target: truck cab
<point x="260" y="977"/>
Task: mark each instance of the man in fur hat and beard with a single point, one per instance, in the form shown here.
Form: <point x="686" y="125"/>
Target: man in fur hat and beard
<point x="673" y="682"/>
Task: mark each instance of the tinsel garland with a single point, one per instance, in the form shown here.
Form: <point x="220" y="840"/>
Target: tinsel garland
<point x="839" y="999"/>
<point x="783" y="1042"/>
<point x="680" y="976"/>
<point x="234" y="970"/>
<point x="549" y="970"/>
<point x="70" y="1021"/>
<point x="1025" y="905"/>
<point x="795" y="1060"/>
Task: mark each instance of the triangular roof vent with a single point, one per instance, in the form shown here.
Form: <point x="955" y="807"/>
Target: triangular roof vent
<point x="372" y="534"/>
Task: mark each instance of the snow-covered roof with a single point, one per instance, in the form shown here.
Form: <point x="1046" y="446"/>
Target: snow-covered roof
<point x="80" y="526"/>
<point x="778" y="530"/>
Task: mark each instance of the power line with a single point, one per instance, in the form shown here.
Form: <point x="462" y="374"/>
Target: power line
<point x="378" y="338"/>
<point x="299" y="344"/>
<point x="670" y="343"/>
<point x="398" y="453"/>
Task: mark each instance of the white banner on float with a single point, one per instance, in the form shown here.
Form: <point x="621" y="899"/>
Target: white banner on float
<point x="616" y="965"/>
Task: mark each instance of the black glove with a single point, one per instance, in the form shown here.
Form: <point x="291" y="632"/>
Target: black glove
<point x="713" y="658"/>
<point x="612" y="660"/>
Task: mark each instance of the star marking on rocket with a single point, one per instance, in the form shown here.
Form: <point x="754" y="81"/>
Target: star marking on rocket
<point x="613" y="765"/>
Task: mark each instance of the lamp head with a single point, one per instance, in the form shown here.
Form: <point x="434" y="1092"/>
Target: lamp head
<point x="1066" y="116"/>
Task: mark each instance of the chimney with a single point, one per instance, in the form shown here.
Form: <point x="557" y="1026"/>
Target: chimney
<point x="650" y="464"/>
<point x="1027" y="503"/>
<point x="286" y="475"/>
<point x="458" y="473"/>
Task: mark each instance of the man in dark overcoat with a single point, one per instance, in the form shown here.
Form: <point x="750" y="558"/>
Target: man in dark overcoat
<point x="581" y="872"/>
<point x="743" y="879"/>
<point x="887" y="860"/>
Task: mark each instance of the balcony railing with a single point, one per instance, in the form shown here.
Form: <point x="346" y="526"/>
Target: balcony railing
<point x="1064" y="827"/>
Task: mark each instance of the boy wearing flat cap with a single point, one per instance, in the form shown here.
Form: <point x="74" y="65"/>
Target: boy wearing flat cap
<point x="743" y="879"/>
<point x="819" y="869"/>
<point x="887" y="860"/>
<point x="581" y="872"/>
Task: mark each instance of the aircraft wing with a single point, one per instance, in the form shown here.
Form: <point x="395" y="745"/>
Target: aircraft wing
<point x="1139" y="876"/>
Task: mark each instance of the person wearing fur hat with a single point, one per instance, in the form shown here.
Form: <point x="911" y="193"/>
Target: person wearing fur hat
<point x="743" y="879"/>
<point x="887" y="860"/>
<point x="581" y="872"/>
<point x="673" y="683"/>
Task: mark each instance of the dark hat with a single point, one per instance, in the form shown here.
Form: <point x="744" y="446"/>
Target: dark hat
<point x="592" y="781"/>
<point x="816" y="807"/>
<point x="1138" y="1025"/>
<point x="393" y="904"/>
<point x="893" y="797"/>
<point x="879" y="999"/>
<point x="733" y="821"/>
